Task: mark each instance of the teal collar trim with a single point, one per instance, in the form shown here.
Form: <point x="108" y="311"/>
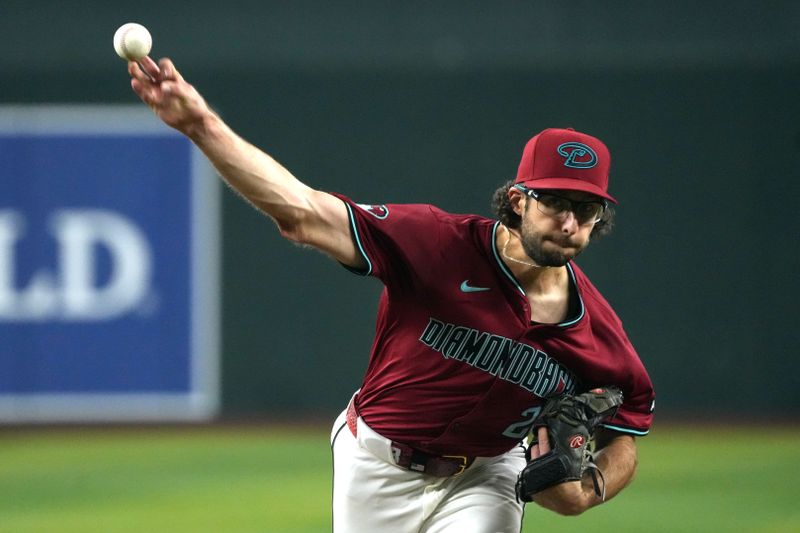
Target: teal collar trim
<point x="513" y="279"/>
<point x="580" y="299"/>
<point x="500" y="263"/>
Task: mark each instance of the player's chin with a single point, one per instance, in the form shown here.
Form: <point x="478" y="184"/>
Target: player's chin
<point x="554" y="259"/>
<point x="571" y="248"/>
<point x="559" y="255"/>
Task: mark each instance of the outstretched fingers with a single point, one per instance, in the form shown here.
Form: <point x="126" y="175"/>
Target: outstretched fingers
<point x="163" y="89"/>
<point x="148" y="72"/>
<point x="150" y="67"/>
<point x="142" y="84"/>
<point x="171" y="80"/>
<point x="168" y="70"/>
<point x="151" y="81"/>
<point x="137" y="73"/>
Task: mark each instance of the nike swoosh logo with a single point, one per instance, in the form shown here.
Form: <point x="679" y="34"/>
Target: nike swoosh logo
<point x="466" y="287"/>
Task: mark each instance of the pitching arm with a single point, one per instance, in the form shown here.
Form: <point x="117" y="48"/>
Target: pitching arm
<point x="302" y="214"/>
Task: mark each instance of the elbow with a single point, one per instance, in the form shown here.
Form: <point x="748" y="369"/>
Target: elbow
<point x="291" y="231"/>
<point x="299" y="220"/>
<point x="570" y="510"/>
<point x="573" y="506"/>
<point x="293" y="225"/>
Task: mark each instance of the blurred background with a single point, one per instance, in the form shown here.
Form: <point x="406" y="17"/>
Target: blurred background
<point x="386" y="102"/>
<point x="392" y="102"/>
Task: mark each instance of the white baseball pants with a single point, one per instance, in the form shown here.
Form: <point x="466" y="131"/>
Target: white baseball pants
<point x="373" y="495"/>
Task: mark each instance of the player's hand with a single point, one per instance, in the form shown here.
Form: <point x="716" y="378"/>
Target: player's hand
<point x="570" y="497"/>
<point x="171" y="98"/>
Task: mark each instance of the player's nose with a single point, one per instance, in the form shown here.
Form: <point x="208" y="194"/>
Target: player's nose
<point x="569" y="225"/>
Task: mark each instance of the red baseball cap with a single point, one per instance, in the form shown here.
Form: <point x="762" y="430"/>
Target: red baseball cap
<point x="565" y="159"/>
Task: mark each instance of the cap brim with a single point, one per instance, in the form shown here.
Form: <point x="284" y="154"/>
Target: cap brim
<point x="568" y="184"/>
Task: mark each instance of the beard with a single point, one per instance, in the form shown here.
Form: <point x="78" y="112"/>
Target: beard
<point x="548" y="251"/>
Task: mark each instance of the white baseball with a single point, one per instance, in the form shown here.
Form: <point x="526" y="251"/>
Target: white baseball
<point x="132" y="41"/>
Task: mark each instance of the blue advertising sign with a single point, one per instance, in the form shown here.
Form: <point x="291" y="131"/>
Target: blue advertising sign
<point x="109" y="267"/>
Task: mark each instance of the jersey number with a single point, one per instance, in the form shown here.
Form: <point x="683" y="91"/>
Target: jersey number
<point x="519" y="430"/>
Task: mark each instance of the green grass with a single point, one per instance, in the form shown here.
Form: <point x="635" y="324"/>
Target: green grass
<point x="142" y="481"/>
<point x="711" y="479"/>
<point x="242" y="480"/>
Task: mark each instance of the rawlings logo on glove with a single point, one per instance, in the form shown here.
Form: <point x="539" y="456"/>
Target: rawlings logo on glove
<point x="570" y="422"/>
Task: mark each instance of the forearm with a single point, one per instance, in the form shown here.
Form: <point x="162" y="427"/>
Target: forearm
<point x="617" y="459"/>
<point x="248" y="170"/>
<point x="302" y="214"/>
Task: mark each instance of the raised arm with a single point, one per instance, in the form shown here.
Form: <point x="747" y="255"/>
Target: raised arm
<point x="303" y="215"/>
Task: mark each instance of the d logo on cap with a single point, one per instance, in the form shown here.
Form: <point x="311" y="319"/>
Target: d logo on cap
<point x="578" y="155"/>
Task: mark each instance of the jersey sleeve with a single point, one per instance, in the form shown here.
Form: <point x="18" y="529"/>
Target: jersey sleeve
<point x="617" y="364"/>
<point x="396" y="241"/>
<point x="635" y="415"/>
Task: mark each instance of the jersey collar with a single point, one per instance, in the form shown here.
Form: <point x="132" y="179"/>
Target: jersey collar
<point x="572" y="280"/>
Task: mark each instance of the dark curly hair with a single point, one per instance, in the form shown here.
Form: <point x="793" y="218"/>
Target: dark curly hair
<point x="501" y="206"/>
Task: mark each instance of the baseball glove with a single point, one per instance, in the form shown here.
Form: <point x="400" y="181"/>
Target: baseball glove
<point x="571" y="422"/>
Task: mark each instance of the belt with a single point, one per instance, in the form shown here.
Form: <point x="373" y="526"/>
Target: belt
<point x="412" y="459"/>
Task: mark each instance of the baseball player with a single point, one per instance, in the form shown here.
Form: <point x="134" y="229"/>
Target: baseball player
<point x="487" y="332"/>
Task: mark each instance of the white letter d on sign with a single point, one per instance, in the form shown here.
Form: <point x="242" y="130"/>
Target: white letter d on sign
<point x="72" y="294"/>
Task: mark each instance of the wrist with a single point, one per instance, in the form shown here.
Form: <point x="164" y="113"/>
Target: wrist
<point x="204" y="128"/>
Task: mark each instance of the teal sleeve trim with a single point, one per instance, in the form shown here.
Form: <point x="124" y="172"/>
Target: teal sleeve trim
<point x="626" y="430"/>
<point x="357" y="241"/>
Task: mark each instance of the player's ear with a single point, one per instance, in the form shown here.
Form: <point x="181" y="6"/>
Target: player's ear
<point x="516" y="199"/>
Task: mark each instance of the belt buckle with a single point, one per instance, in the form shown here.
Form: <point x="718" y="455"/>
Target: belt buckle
<point x="462" y="466"/>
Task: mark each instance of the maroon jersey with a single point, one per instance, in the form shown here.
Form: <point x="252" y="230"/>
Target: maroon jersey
<point x="457" y="367"/>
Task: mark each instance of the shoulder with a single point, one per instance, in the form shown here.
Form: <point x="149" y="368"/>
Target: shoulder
<point x="601" y="320"/>
<point x="421" y="215"/>
<point x="593" y="299"/>
<point x="618" y="363"/>
<point x="462" y="222"/>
